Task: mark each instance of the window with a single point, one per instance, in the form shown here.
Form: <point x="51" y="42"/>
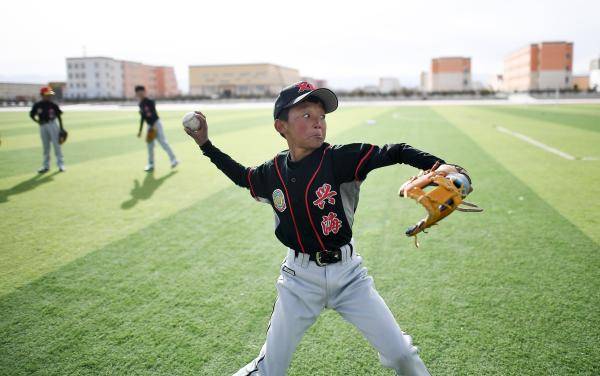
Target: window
<point x="69" y="65"/>
<point x="566" y="80"/>
<point x="96" y="64"/>
<point x="97" y="75"/>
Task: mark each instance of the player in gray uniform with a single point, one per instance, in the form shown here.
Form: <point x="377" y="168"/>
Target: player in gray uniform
<point x="150" y="116"/>
<point x="47" y="114"/>
<point x="313" y="189"/>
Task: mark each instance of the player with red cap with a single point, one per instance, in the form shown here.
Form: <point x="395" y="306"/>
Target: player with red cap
<point x="47" y="114"/>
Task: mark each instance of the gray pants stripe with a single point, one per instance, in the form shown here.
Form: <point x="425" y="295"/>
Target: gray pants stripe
<point x="49" y="134"/>
<point x="162" y="140"/>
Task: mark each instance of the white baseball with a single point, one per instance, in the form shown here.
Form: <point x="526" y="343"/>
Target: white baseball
<point x="190" y="121"/>
<point x="461" y="182"/>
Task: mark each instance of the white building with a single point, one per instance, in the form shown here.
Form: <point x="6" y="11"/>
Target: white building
<point x="389" y="85"/>
<point x="595" y="75"/>
<point x="94" y="77"/>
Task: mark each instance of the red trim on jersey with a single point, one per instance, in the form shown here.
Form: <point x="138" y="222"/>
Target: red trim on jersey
<point x="312" y="224"/>
<point x="250" y="184"/>
<point x="362" y="161"/>
<point x="287" y="196"/>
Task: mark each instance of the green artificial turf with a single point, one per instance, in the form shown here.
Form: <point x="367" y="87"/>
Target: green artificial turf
<point x="106" y="270"/>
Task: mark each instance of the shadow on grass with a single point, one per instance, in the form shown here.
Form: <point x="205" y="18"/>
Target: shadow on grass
<point x="145" y="190"/>
<point x="26" y="185"/>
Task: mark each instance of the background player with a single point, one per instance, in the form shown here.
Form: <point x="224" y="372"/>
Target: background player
<point x="313" y="188"/>
<point x="46" y="113"/>
<point x="148" y="113"/>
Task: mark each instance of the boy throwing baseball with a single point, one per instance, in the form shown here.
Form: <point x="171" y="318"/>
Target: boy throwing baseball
<point x="313" y="188"/>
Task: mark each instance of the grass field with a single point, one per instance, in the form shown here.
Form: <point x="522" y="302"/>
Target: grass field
<point x="106" y="270"/>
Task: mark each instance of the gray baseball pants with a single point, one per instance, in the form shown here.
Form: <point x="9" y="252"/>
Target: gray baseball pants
<point x="49" y="134"/>
<point x="304" y="289"/>
<point x="162" y="140"/>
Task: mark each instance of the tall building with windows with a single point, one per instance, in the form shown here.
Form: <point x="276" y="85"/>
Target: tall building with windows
<point x="240" y="79"/>
<point x="166" y="83"/>
<point x="138" y="74"/>
<point x="94" y="77"/>
<point x="542" y="66"/>
<point x="449" y="74"/>
<point x="105" y="77"/>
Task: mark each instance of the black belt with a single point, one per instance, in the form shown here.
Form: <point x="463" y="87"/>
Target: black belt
<point x="328" y="256"/>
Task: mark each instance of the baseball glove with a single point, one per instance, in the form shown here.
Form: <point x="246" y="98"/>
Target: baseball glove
<point x="62" y="136"/>
<point x="150" y="135"/>
<point x="451" y="185"/>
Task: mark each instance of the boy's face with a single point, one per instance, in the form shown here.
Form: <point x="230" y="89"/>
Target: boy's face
<point x="306" y="126"/>
<point x="140" y="94"/>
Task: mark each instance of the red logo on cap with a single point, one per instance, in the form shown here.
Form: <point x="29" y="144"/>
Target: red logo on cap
<point x="304" y="86"/>
<point x="46" y="90"/>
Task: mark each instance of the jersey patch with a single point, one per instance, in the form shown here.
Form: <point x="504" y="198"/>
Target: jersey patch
<point x="324" y="194"/>
<point x="331" y="224"/>
<point x="279" y="200"/>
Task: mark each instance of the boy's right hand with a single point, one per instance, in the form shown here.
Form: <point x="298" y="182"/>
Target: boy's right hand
<point x="201" y="134"/>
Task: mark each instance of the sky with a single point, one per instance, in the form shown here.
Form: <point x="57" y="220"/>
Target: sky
<point x="348" y="43"/>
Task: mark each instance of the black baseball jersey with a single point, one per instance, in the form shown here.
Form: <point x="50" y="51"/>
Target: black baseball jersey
<point x="148" y="111"/>
<point x="315" y="199"/>
<point x="45" y="111"/>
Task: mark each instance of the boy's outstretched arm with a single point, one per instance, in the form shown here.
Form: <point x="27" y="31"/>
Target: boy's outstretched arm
<point x="234" y="171"/>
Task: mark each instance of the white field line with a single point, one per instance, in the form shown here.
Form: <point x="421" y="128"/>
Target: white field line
<point x="542" y="145"/>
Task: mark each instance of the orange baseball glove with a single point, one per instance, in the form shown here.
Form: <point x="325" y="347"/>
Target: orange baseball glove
<point x="451" y="185"/>
<point x="150" y="135"/>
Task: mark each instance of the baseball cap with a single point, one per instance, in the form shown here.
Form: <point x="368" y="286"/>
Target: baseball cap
<point x="46" y="90"/>
<point x="299" y="92"/>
